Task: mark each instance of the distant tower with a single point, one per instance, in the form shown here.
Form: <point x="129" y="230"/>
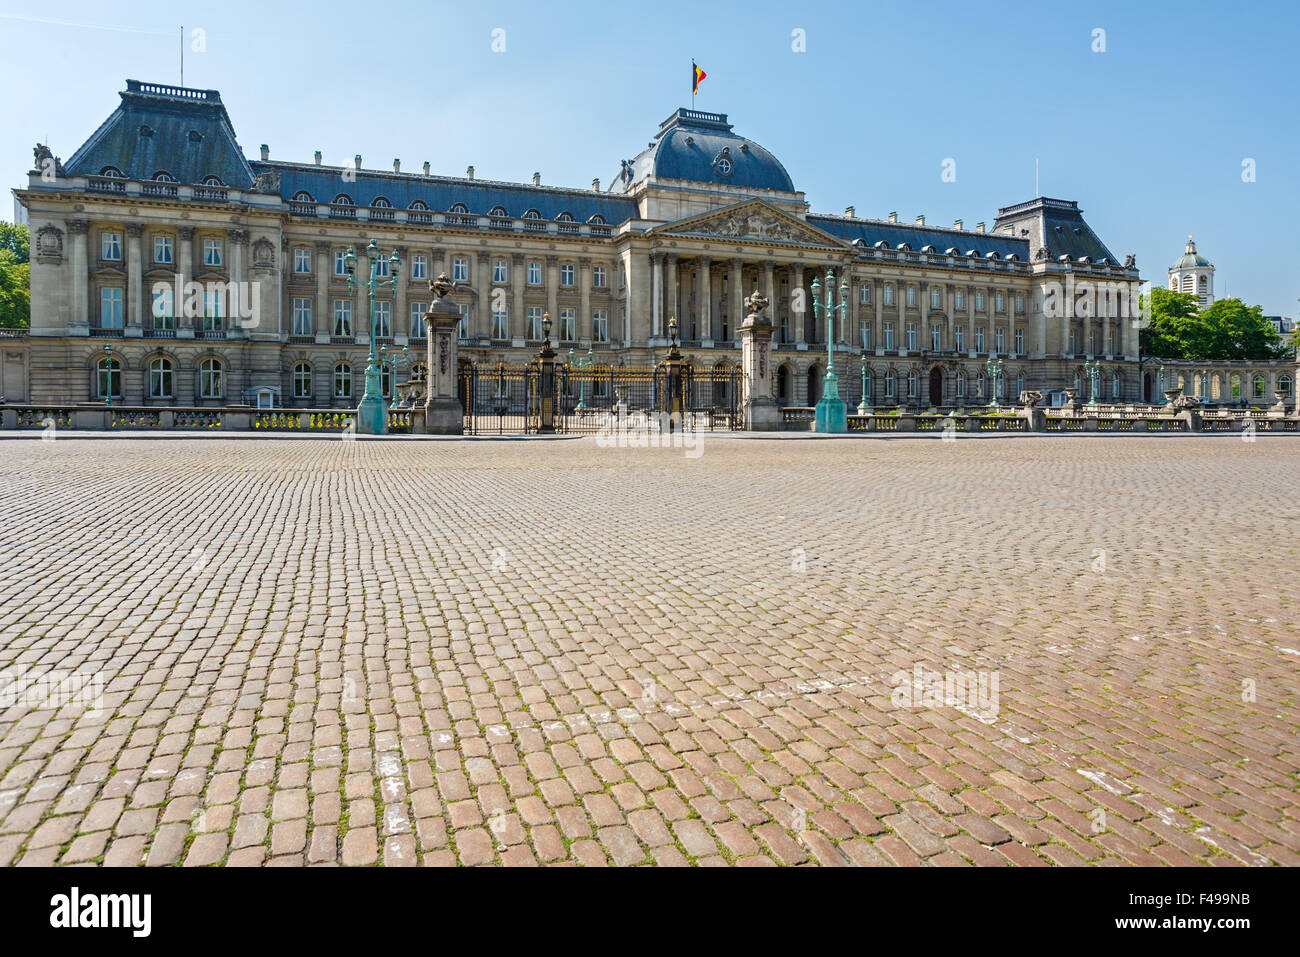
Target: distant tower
<point x="1193" y="273"/>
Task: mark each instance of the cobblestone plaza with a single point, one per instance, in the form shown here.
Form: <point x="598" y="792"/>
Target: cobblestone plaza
<point x="309" y="650"/>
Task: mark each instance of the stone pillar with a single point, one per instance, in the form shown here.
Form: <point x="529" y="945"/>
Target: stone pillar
<point x="442" y="412"/>
<point x="799" y="319"/>
<point x="399" y="322"/>
<point x="877" y="328"/>
<point x="583" y="279"/>
<point x="236" y="307"/>
<point x="970" y="321"/>
<point x="79" y="276"/>
<point x="850" y="320"/>
<point x="518" y="278"/>
<point x="672" y="305"/>
<point x="760" y="410"/>
<point x="704" y="297"/>
<point x="553" y="291"/>
<point x="657" y="294"/>
<point x="135" y="293"/>
<point x="481" y="325"/>
<point x="735" y="297"/>
<point x="321" y="319"/>
<point x="769" y="285"/>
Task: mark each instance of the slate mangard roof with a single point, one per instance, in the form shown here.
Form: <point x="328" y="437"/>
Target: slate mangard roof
<point x="872" y="231"/>
<point x="1057" y="224"/>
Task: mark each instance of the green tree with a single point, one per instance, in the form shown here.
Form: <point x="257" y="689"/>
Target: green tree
<point x="1171" y="327"/>
<point x="15" y="277"/>
<point x="1227" y="329"/>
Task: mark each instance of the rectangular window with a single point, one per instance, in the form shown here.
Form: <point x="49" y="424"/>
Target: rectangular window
<point x="567" y="331"/>
<point x="889" y="385"/>
<point x="162" y="249"/>
<point x="911" y="337"/>
<point x="160" y="379"/>
<point x="417" y="320"/>
<point x="214" y="308"/>
<point x="534" y="274"/>
<point x="961" y="385"/>
<point x="419" y="267"/>
<point x="534" y="322"/>
<point x="936" y="299"/>
<point x="866" y="336"/>
<point x="999" y="339"/>
<point x="302" y="317"/>
<point x="212" y="252"/>
<point x="1020" y="303"/>
<point x="462" y="329"/>
<point x="960" y="299"/>
<point x="340" y="263"/>
<point x="110" y="246"/>
<point x="566" y="275"/>
<point x="599" y="277"/>
<point x="887" y="297"/>
<point x="864" y="294"/>
<point x="600" y="325"/>
<point x="500" y="324"/>
<point x="1073" y="343"/>
<point x="936" y="338"/>
<point x="979" y="302"/>
<point x="911" y="297"/>
<point x="460" y="270"/>
<point x="302" y="261"/>
<point x="342" y="317"/>
<point x="381" y="267"/>
<point x="999" y="302"/>
<point x="979" y="338"/>
<point x="110" y="307"/>
<point x="383" y="318"/>
<point x="889" y="336"/>
<point x="1020" y="341"/>
<point x="959" y="338"/>
<point x="500" y="271"/>
<point x="164" y="308"/>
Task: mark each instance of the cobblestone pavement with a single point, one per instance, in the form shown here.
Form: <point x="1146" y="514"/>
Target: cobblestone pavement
<point x="317" y="651"/>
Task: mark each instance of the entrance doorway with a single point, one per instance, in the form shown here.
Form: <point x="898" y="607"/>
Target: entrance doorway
<point x="936" y="387"/>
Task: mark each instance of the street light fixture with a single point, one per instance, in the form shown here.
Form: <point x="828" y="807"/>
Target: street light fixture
<point x="994" y="369"/>
<point x="830" y="415"/>
<point x="1093" y="370"/>
<point x="372" y="415"/>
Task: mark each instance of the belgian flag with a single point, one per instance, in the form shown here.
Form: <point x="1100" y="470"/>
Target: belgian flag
<point x="696" y="76"/>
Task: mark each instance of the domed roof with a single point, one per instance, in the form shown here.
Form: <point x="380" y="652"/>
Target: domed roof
<point x="1191" y="258"/>
<point x="699" y="146"/>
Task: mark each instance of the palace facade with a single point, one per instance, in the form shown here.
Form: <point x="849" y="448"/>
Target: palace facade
<point x="169" y="269"/>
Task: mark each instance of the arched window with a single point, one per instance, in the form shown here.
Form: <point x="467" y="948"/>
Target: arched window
<point x="381" y="203"/>
<point x="342" y="199"/>
<point x="532" y="214"/>
<point x="108" y="378"/>
<point x="212" y="181"/>
<point x="211" y="379"/>
<point x="342" y="381"/>
<point x="162" y="176"/>
<point x="564" y="218"/>
<point x="459" y="208"/>
<point x="499" y="212"/>
<point x="1114" y="385"/>
<point x="160" y="378"/>
<point x="911" y="385"/>
<point x="1257" y="387"/>
<point x="1284" y="384"/>
<point x="419" y="204"/>
<point x="111" y="171"/>
<point x="597" y="220"/>
<point x="814" y="384"/>
<point x="302" y="196"/>
<point x="302" y="381"/>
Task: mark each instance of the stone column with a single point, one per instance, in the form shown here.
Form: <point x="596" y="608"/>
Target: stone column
<point x="236" y="306"/>
<point x="799" y="320"/>
<point x="442" y="412"/>
<point x="850" y="322"/>
<point x="970" y="321"/>
<point x="399" y="322"/>
<point x="553" y="292"/>
<point x="481" y="325"/>
<point x="135" y="293"/>
<point x="769" y="286"/>
<point x="657" y="295"/>
<point x="672" y="305"/>
<point x="703" y="297"/>
<point x="79" y="276"/>
<point x="736" y="297"/>
<point x="321" y="318"/>
<point x="877" y="326"/>
<point x="583" y="279"/>
<point x="518" y="279"/>
<point x="761" y="412"/>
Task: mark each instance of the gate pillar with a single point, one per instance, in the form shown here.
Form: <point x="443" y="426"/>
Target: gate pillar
<point x="546" y="391"/>
<point x="442" y="411"/>
<point x="761" y="413"/>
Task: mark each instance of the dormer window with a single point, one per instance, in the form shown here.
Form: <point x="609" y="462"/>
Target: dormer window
<point x="163" y="177"/>
<point x="381" y="203"/>
<point x="212" y="181"/>
<point x="597" y="220"/>
<point x="342" y="199"/>
<point x="499" y="212"/>
<point x="459" y="208"/>
<point x="419" y="205"/>
<point x="564" y="218"/>
<point x="302" y="196"/>
<point x="111" y="171"/>
<point x="532" y="214"/>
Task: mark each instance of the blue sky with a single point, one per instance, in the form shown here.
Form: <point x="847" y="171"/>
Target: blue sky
<point x="1149" y="136"/>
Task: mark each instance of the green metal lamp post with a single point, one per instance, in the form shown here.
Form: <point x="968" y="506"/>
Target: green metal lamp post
<point x="372" y="414"/>
<point x="406" y="364"/>
<point x="1093" y="370"/>
<point x="864" y="408"/>
<point x="994" y="369"/>
<point x="582" y="363"/>
<point x="830" y="415"/>
<point x="108" y="375"/>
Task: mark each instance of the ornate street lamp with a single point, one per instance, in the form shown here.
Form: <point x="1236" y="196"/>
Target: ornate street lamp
<point x="830" y="415"/>
<point x="1093" y="370"/>
<point x="864" y="408"/>
<point x="372" y="415"/>
<point x="994" y="369"/>
<point x="108" y="375"/>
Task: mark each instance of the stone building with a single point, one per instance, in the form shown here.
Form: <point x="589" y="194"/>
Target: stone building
<point x="221" y="280"/>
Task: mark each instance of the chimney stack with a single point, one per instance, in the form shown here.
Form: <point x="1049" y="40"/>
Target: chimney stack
<point x="893" y="217"/>
<point x="979" y="227"/>
<point x="537" y="179"/>
<point x="469" y="173"/>
<point x="318" y="157"/>
<point x="595" y="185"/>
<point x="920" y="220"/>
<point x="956" y="224"/>
<point x="426" y="167"/>
<point x="357" y="159"/>
<point x="266" y="152"/>
<point x="397" y="166"/>
<point x="850" y="212"/>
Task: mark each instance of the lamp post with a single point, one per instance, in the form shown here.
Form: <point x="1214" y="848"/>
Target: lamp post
<point x="372" y="416"/>
<point x="864" y="408"/>
<point x="582" y="363"/>
<point x="830" y="415"/>
<point x="994" y="369"/>
<point x="1093" y="370"/>
<point x="108" y="375"/>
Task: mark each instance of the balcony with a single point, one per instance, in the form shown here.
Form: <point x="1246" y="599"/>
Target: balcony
<point x="105" y="184"/>
<point x="343" y="212"/>
<point x="302" y="209"/>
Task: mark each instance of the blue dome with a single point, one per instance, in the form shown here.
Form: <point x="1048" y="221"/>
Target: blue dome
<point x="698" y="146"/>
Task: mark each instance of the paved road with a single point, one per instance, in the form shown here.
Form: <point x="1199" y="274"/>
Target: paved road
<point x="1034" y="651"/>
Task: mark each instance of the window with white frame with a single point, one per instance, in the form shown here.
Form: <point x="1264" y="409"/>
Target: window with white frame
<point x="161" y="378"/>
<point x="343" y="381"/>
<point x="864" y="294"/>
<point x="417" y="320"/>
<point x="302" y="381"/>
<point x="110" y="246"/>
<point x="887" y="295"/>
<point x="889" y="336"/>
<point x="566" y="275"/>
<point x="212" y="252"/>
<point x="342" y="317"/>
<point x="866" y="336"/>
<point x="567" y="323"/>
<point x="1073" y="341"/>
<point x="534" y="274"/>
<point x="381" y="267"/>
<point x="936" y="337"/>
<point x="959" y="338"/>
<point x="460" y="270"/>
<point x="1020" y="383"/>
<point x="999" y="337"/>
<point x="936" y="298"/>
<point x="1020" y="341"/>
<point x="302" y="261"/>
<point x="462" y="327"/>
<point x="500" y="271"/>
<point x="889" y="384"/>
<point x="979" y="302"/>
<point x="302" y="316"/>
<point x="600" y="325"/>
<point x="500" y="323"/>
<point x="211" y="379"/>
<point x="911" y="337"/>
<point x="340" y="262"/>
<point x="1114" y="385"/>
<point x="959" y="299"/>
<point x="911" y="297"/>
<point x="961" y="385"/>
<point x="979" y="338"/>
<point x="419" y="267"/>
<point x="214" y="310"/>
<point x="108" y="377"/>
<point x="162" y="249"/>
<point x="999" y="302"/>
<point x="979" y="385"/>
<point x="163" y="308"/>
<point x="911" y="385"/>
<point x="383" y="318"/>
<point x="599" y="277"/>
<point x="1020" y="302"/>
<point x="110" y="307"/>
<point x="534" y="315"/>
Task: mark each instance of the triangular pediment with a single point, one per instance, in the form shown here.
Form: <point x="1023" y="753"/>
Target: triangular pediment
<point x="752" y="221"/>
